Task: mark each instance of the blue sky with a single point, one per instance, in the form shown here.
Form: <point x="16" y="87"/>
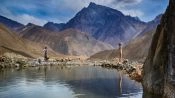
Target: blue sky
<point x="41" y="11"/>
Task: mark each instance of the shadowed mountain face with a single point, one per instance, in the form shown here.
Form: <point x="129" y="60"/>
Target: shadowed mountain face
<point x="106" y="24"/>
<point x="136" y="49"/>
<point x="159" y="67"/>
<point x="10" y="23"/>
<point x="54" y="26"/>
<point x="68" y="42"/>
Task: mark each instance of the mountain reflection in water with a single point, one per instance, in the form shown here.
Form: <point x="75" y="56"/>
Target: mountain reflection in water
<point x="67" y="82"/>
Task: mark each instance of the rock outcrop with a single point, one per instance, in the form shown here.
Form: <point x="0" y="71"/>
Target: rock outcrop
<point x="159" y="67"/>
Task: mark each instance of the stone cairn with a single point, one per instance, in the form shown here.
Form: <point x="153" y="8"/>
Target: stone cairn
<point x="120" y="52"/>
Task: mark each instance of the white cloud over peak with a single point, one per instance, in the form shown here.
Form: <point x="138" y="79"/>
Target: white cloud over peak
<point x="134" y="13"/>
<point x="77" y="5"/>
<point x="120" y="5"/>
<point x="25" y="19"/>
<point x="41" y="11"/>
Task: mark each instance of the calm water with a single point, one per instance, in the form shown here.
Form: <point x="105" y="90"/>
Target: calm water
<point x="67" y="82"/>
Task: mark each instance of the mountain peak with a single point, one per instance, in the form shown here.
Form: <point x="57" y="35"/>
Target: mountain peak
<point x="103" y="9"/>
<point x="54" y="26"/>
<point x="30" y="24"/>
<point x="137" y="18"/>
<point x="158" y="18"/>
<point x="103" y="23"/>
<point x="49" y="23"/>
<point x="92" y="4"/>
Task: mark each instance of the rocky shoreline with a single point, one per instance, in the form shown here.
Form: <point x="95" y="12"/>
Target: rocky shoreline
<point x="132" y="69"/>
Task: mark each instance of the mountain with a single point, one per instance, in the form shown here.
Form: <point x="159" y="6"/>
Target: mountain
<point x="12" y="43"/>
<point x="34" y="32"/>
<point x="95" y="26"/>
<point x="106" y="24"/>
<point x="78" y="43"/>
<point x="68" y="42"/>
<point x="8" y="41"/>
<point x="54" y="26"/>
<point x="151" y="25"/>
<point x="10" y="23"/>
<point x="159" y="68"/>
<point x="136" y="49"/>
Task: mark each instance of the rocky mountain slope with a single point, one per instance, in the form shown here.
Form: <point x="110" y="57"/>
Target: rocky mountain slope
<point x="12" y="43"/>
<point x="9" y="41"/>
<point x="10" y="23"/>
<point x="68" y="42"/>
<point x="54" y="26"/>
<point x="105" y="24"/>
<point x="159" y="69"/>
<point x="151" y="25"/>
<point x="136" y="49"/>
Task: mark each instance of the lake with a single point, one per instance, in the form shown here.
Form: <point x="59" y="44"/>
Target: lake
<point x="67" y="82"/>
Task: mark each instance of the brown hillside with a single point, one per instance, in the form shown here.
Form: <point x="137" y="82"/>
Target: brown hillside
<point x="137" y="49"/>
<point x="67" y="42"/>
<point x="9" y="42"/>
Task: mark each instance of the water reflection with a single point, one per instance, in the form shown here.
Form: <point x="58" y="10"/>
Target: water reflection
<point x="120" y="84"/>
<point x="67" y="82"/>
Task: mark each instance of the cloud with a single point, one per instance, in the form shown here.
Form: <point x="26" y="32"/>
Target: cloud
<point x="121" y="5"/>
<point x="125" y="7"/>
<point x="77" y="5"/>
<point x="22" y="18"/>
<point x="25" y="19"/>
<point x="127" y="1"/>
<point x="40" y="11"/>
<point x="134" y="13"/>
<point x="156" y="0"/>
